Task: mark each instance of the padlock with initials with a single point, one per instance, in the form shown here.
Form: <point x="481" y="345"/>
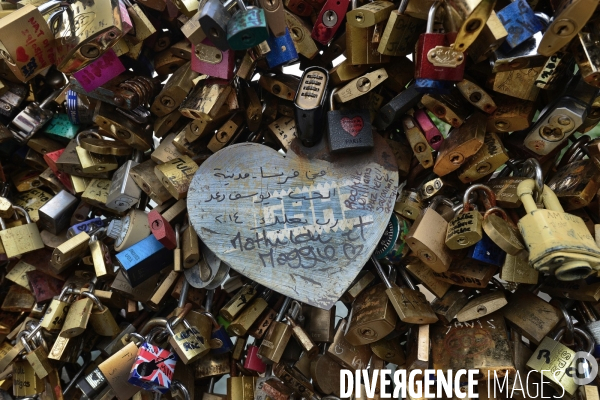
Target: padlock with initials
<point x="348" y="130"/>
<point x="558" y="243"/>
<point x="465" y="228"/>
<point x="401" y="32"/>
<point x="187" y="341"/>
<point x="20" y="239"/>
<point x="557" y="362"/>
<point x="210" y="60"/>
<point x="247" y="27"/>
<point x="19" y="50"/>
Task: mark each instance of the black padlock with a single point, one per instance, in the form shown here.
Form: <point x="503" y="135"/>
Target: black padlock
<point x="348" y="130"/>
<point x="397" y="107"/>
<point x="309" y="102"/>
<point x="213" y="20"/>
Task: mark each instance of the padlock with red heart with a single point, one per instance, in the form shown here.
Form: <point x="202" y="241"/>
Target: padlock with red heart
<point x="348" y="130"/>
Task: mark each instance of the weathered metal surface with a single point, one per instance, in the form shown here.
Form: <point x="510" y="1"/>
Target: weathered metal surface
<point x="303" y="224"/>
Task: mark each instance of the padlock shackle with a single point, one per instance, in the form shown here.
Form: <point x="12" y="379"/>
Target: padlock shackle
<point x="406" y="278"/>
<point x="496" y="210"/>
<point x="183" y="312"/>
<point x="531" y="168"/>
<point x="212" y="318"/>
<point x="587" y="311"/>
<point x="568" y="328"/>
<point x="380" y="272"/>
<point x="403" y="6"/>
<point x="525" y="191"/>
<point x="478" y="186"/>
<point x="587" y="337"/>
<point x="294" y="310"/>
<point x="331" y="101"/>
<point x="95" y="299"/>
<point x="173" y="321"/>
<point x="129" y="337"/>
<point x="432" y="13"/>
<point x="175" y="384"/>
<point x="64" y="291"/>
<point x="183" y="295"/>
<point x="283" y="309"/>
<point x="88" y="133"/>
<point x="177" y="236"/>
<point x="151" y="323"/>
<point x="576" y="151"/>
<point x="23" y="341"/>
<point x="211" y="385"/>
<point x="25" y="213"/>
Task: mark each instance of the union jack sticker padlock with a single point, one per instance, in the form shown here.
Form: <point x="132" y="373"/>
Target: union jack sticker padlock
<point x="435" y="58"/>
<point x="153" y="368"/>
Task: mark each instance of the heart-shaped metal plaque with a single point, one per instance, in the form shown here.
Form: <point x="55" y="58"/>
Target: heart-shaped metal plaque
<point x="303" y="224"/>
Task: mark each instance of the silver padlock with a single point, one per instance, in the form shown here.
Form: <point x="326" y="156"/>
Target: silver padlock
<point x="124" y="193"/>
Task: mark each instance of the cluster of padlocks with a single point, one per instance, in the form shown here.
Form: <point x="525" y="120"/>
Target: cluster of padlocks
<point x="247" y="199"/>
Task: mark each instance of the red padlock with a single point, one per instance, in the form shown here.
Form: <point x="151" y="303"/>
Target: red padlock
<point x="51" y="159"/>
<point x="329" y="20"/>
<point x="435" y="57"/>
<point x="252" y="362"/>
<point x="162" y="230"/>
<point x="432" y="133"/>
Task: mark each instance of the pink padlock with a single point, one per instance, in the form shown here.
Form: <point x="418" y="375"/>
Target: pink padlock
<point x="209" y="60"/>
<point x="252" y="362"/>
<point x="125" y="18"/>
<point x="102" y="70"/>
<point x="432" y="133"/>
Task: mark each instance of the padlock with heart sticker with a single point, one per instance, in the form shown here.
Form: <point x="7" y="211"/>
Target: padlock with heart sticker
<point x="348" y="130"/>
<point x="303" y="224"/>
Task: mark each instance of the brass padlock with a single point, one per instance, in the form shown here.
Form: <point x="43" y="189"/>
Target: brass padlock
<point x="77" y="317"/>
<point x="427" y="236"/>
<point x="35" y="41"/>
<point x="20" y="239"/>
<point x="568" y="250"/>
<point x="465" y="228"/>
<point x="77" y="46"/>
<point x="457" y="346"/>
<point x="57" y="311"/>
<point x="372" y="317"/>
<point x="411" y="305"/>
<point x="461" y="144"/>
<point x="101" y="319"/>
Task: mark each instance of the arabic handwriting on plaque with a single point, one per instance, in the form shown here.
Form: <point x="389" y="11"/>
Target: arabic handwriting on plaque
<point x="303" y="227"/>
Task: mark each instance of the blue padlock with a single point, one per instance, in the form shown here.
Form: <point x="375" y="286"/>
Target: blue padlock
<point x="223" y="336"/>
<point x="520" y="22"/>
<point x="487" y="251"/>
<point x="432" y="86"/>
<point x="85" y="226"/>
<point x="144" y="259"/>
<point x="282" y="51"/>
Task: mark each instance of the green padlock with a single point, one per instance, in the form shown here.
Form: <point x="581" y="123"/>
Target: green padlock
<point x="247" y="27"/>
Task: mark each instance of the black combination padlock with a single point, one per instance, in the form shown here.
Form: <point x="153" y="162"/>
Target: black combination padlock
<point x="309" y="102"/>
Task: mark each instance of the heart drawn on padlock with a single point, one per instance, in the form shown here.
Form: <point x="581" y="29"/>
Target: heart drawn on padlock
<point x="303" y="224"/>
<point x="22" y="54"/>
<point x="352" y="125"/>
